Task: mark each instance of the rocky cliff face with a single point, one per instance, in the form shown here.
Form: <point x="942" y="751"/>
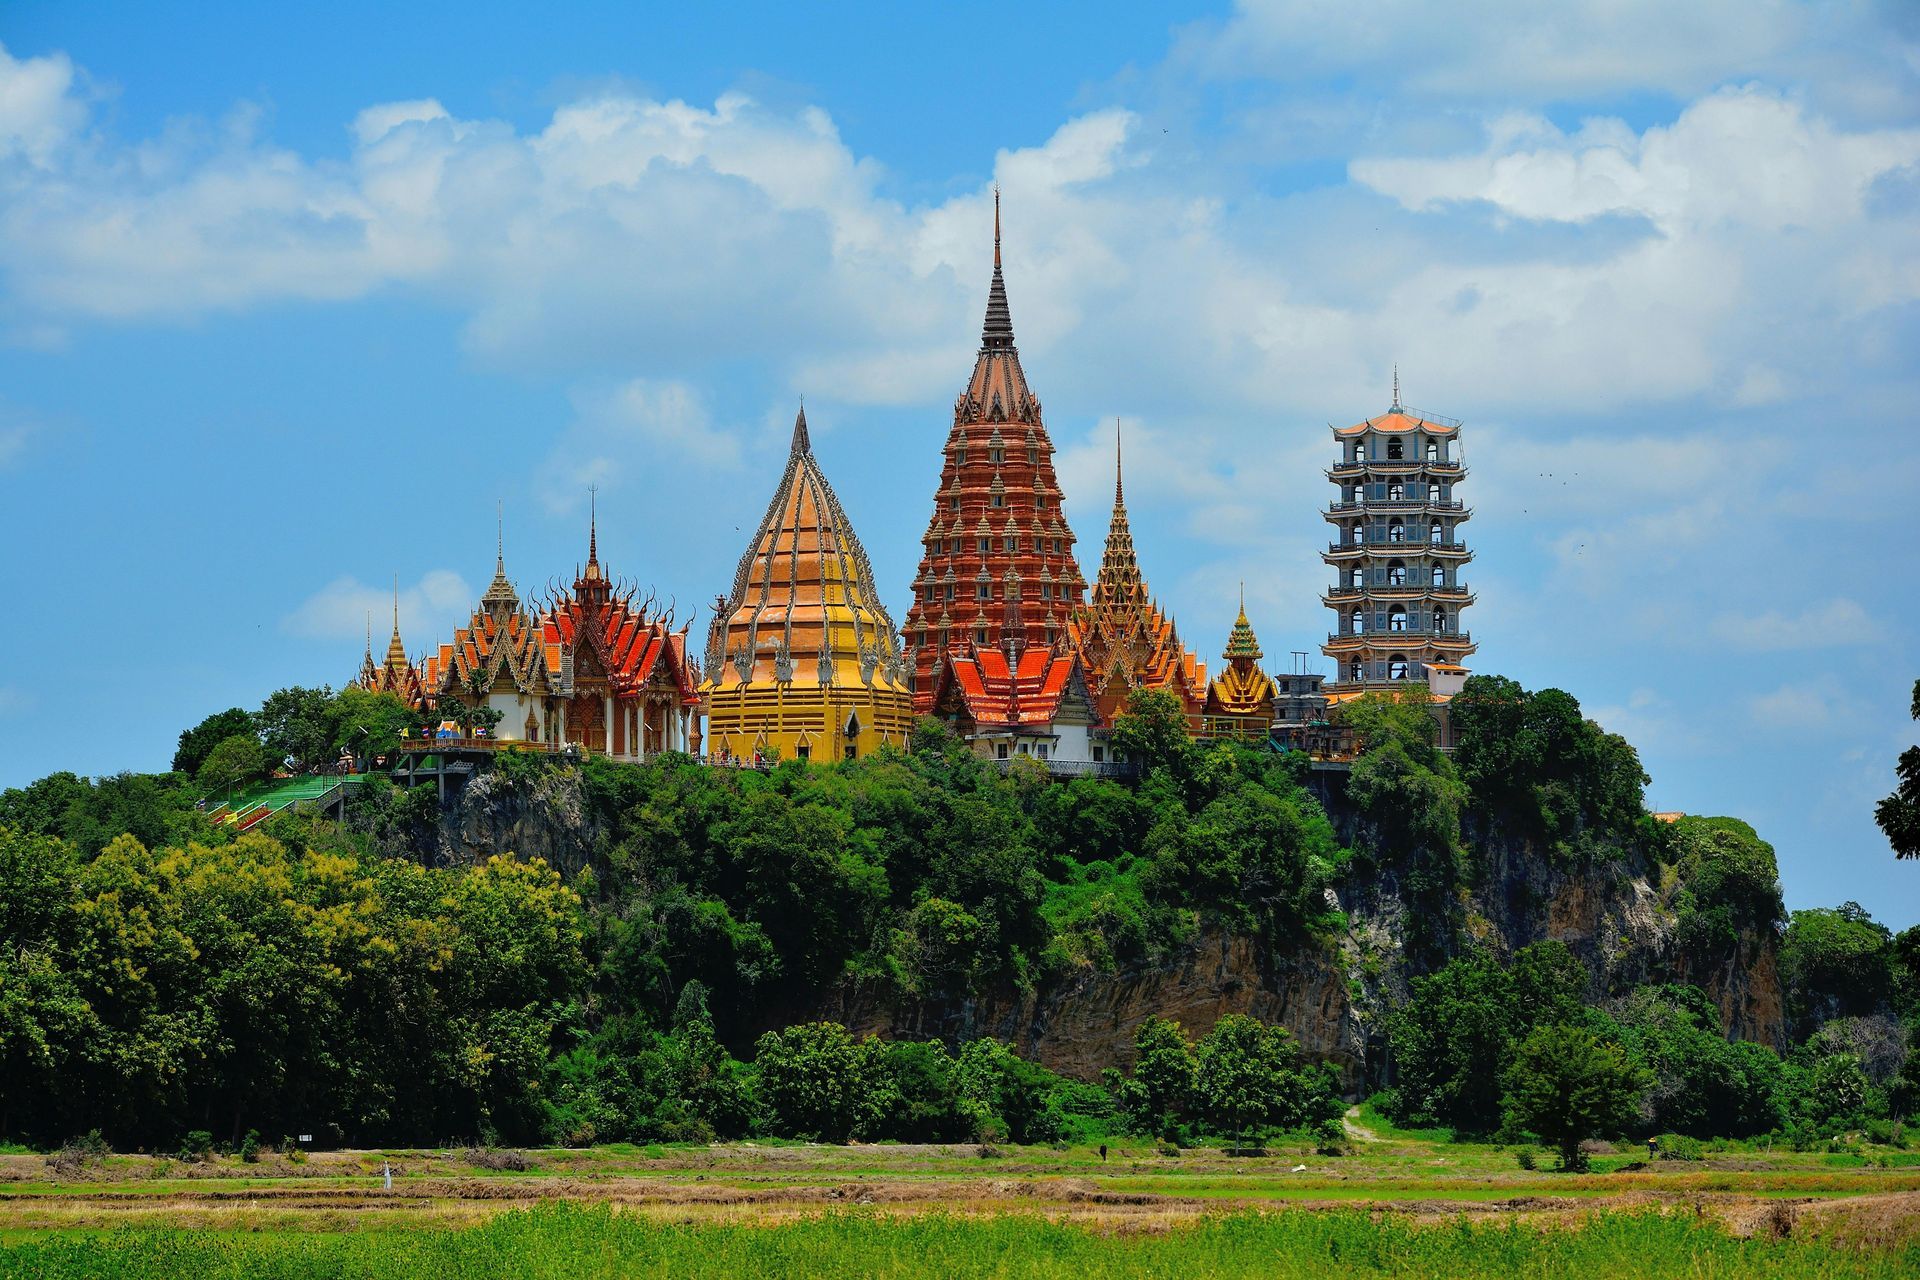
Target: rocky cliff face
<point x="545" y="816"/>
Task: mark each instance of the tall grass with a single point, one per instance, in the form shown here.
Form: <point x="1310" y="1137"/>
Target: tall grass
<point x="574" y="1241"/>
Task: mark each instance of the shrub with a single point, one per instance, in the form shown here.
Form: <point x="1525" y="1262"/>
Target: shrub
<point x="250" y="1147"/>
<point x="501" y="1161"/>
<point x="1678" y="1146"/>
<point x="196" y="1146"/>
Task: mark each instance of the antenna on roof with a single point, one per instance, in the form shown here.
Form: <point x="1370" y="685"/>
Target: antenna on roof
<point x="1396" y="385"/>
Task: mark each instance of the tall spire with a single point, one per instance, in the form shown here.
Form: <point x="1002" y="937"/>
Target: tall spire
<point x="593" y="524"/>
<point x="500" y="594"/>
<point x="1119" y="493"/>
<point x="396" y="651"/>
<point x="1396" y="387"/>
<point x="802" y="442"/>
<point x="998" y="329"/>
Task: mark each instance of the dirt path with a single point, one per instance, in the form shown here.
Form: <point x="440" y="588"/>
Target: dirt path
<point x="1357" y="1131"/>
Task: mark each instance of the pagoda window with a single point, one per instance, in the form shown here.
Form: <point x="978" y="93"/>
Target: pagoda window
<point x="996" y="456"/>
<point x="1439" y="620"/>
<point x="1358" y="622"/>
<point x="1357" y="535"/>
<point x="999" y="499"/>
<point x="1358" y="577"/>
<point x="949" y="591"/>
<point x="1033" y="455"/>
<point x="1439" y="576"/>
<point x="1356" y="670"/>
<point x="960" y="456"/>
<point x="1433" y="451"/>
<point x="1357" y="493"/>
<point x="1396" y="450"/>
<point x="953" y="504"/>
<point x="1013" y="542"/>
<point x="1434" y="533"/>
<point x="1039" y="500"/>
<point x="983" y="592"/>
<point x="1396" y="492"/>
<point x="986" y="547"/>
<point x="1396" y="531"/>
<point x="1397" y="667"/>
<point x="1396" y="573"/>
<point x="979" y="635"/>
<point x="1360" y="451"/>
<point x="1397" y="618"/>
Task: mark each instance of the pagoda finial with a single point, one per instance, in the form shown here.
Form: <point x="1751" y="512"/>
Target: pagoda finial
<point x="396" y="605"/>
<point x="1396" y="385"/>
<point x="998" y="329"/>
<point x="500" y="535"/>
<point x="369" y="637"/>
<point x="593" y="524"/>
<point x="1119" y="495"/>
<point x="802" y="443"/>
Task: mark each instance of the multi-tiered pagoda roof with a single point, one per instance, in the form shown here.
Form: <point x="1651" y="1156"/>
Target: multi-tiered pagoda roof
<point x="998" y="535"/>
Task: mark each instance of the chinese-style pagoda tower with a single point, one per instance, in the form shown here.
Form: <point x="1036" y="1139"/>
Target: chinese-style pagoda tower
<point x="1240" y="699"/>
<point x="998" y="534"/>
<point x="1397" y="550"/>
<point x="801" y="656"/>
<point x="1124" y="641"/>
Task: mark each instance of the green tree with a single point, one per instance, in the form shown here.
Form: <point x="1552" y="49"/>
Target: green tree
<point x="300" y="725"/>
<point x="371" y="724"/>
<point x="197" y="743"/>
<point x="234" y="761"/>
<point x="1250" y="1080"/>
<point x="1702" y="1084"/>
<point x="814" y="1080"/>
<point x="1567" y="1085"/>
<point x="1899" y="814"/>
<point x="1152" y="733"/>
<point x="1156" y="1097"/>
<point x="1730" y="887"/>
<point x="1837" y="962"/>
<point x="940" y="949"/>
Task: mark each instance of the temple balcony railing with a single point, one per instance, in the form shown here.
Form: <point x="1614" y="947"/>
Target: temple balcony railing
<point x="1384" y="546"/>
<point x="1068" y="768"/>
<point x="1387" y="639"/>
<point x="1395" y="466"/>
<point x="1397" y="505"/>
<point x="1390" y="591"/>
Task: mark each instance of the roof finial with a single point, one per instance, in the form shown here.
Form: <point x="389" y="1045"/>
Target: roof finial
<point x="802" y="442"/>
<point x="1396" y="385"/>
<point x="396" y="605"/>
<point x="998" y="329"/>
<point x="1118" y="496"/>
<point x="369" y="637"/>
<point x="593" y="524"/>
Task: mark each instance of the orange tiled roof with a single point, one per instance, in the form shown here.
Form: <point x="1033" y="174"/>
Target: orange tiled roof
<point x="996" y="691"/>
<point x="1397" y="420"/>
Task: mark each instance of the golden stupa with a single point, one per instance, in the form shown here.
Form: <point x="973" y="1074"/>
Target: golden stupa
<point x="802" y="660"/>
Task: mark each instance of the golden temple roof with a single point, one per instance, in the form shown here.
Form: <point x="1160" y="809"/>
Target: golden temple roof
<point x="804" y="610"/>
<point x="1241" y="688"/>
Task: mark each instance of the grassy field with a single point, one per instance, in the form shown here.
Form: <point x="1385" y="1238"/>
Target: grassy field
<point x="1398" y="1204"/>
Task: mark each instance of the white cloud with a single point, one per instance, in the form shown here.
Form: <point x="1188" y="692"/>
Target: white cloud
<point x="40" y="107"/>
<point x="341" y="610"/>
<point x="625" y="430"/>
<point x="1831" y="624"/>
<point x="1817" y="703"/>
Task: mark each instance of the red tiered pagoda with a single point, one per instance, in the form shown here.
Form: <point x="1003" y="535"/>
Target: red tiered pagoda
<point x="998" y="536"/>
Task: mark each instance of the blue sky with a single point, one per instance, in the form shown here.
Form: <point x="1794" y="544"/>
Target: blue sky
<point x="289" y="300"/>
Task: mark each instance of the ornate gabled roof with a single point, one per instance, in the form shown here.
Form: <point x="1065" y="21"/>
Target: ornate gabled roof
<point x="804" y="609"/>
<point x="395" y="675"/>
<point x="997" y="476"/>
<point x="595" y="635"/>
<point x="999" y="690"/>
<point x="503" y="644"/>
<point x="1123" y="638"/>
<point x="1242" y="688"/>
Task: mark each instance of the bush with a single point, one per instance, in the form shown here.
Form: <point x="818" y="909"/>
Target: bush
<point x="1678" y="1146"/>
<point x="500" y="1161"/>
<point x="196" y="1146"/>
<point x="76" y="1154"/>
<point x="1526" y="1159"/>
<point x="250" y="1147"/>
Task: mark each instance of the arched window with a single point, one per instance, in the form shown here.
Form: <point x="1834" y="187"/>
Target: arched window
<point x="1439" y="620"/>
<point x="1439" y="576"/>
<point x="1357" y="577"/>
<point x="1356" y="670"/>
<point x="1433" y="451"/>
<point x="1396" y="531"/>
<point x="1397" y="667"/>
<point x="1396" y="450"/>
<point x="1359" y="621"/>
<point x="1396" y="491"/>
<point x="1433" y="533"/>
<point x="1357" y="535"/>
<point x="1360" y="451"/>
<point x="1396" y="573"/>
<point x="1397" y="618"/>
<point x="1357" y="493"/>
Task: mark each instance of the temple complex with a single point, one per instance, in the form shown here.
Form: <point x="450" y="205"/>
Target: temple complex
<point x="1397" y="551"/>
<point x="801" y="658"/>
<point x="1240" y="700"/>
<point x="630" y="690"/>
<point x="998" y="535"/>
<point x="502" y="657"/>
<point x="1122" y="638"/>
